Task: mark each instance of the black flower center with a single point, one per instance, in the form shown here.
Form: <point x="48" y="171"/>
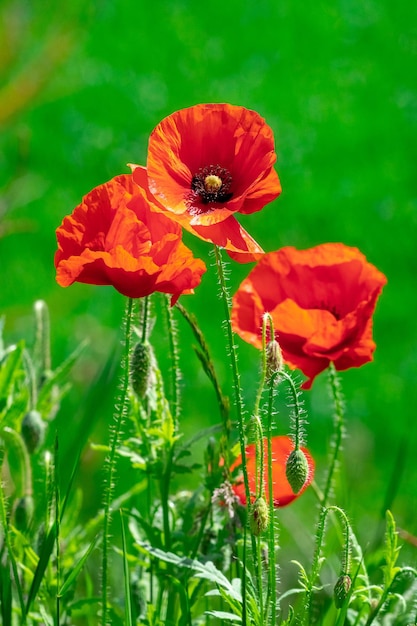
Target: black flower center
<point x="212" y="184"/>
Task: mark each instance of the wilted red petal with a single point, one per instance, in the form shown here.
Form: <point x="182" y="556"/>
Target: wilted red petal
<point x="321" y="301"/>
<point x="114" y="237"/>
<point x="282" y="492"/>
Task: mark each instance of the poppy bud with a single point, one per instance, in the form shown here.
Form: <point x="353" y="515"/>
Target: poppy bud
<point x="296" y="470"/>
<point x="274" y="361"/>
<point x="23" y="512"/>
<point x="140" y="368"/>
<point x="259" y="516"/>
<point x="33" y="430"/>
<point x="341" y="590"/>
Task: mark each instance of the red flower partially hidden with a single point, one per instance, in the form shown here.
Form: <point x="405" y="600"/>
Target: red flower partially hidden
<point x="281" y="489"/>
<point x="206" y="163"/>
<point x="321" y="301"/>
<point x="114" y="237"/>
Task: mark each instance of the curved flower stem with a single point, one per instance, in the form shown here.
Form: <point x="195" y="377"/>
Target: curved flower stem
<point x="338" y="418"/>
<point x="315" y="569"/>
<point x="239" y="402"/>
<point x="120" y="412"/>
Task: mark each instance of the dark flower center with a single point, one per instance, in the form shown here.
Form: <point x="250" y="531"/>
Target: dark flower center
<point x="212" y="184"/>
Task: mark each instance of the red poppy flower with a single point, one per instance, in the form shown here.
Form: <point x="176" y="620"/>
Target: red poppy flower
<point x="206" y="163"/>
<point x="114" y="237"/>
<point x="282" y="492"/>
<point x="321" y="301"/>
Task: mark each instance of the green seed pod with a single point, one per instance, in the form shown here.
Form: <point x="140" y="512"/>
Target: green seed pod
<point x="259" y="516"/>
<point x="297" y="470"/>
<point x="33" y="430"/>
<point x="274" y="361"/>
<point x="23" y="512"/>
<point x="141" y="368"/>
<point x="341" y="590"/>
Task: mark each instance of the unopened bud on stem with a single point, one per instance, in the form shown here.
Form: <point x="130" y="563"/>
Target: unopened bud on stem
<point x="140" y="369"/>
<point x="259" y="516"/>
<point x="341" y="590"/>
<point x="297" y="470"/>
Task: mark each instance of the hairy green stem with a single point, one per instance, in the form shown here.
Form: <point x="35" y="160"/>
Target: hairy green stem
<point x="120" y="412"/>
<point x="271" y="529"/>
<point x="297" y="414"/>
<point x="175" y="356"/>
<point x="338" y="418"/>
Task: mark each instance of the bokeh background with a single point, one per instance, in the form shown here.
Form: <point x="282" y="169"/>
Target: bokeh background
<point x="83" y="84"/>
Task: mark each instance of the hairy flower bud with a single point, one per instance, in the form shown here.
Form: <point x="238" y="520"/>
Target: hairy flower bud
<point x="33" y="430"/>
<point x="259" y="516"/>
<point x="274" y="361"/>
<point x="140" y="368"/>
<point x="341" y="590"/>
<point x="296" y="470"/>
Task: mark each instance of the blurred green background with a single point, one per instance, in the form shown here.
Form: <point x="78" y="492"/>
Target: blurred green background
<point x="83" y="84"/>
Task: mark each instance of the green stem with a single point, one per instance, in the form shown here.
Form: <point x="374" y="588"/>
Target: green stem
<point x="338" y="419"/>
<point x="164" y="484"/>
<point x="297" y="427"/>
<point x="144" y="318"/>
<point x="271" y="534"/>
<point x="239" y="405"/>
<point x="259" y="575"/>
<point x="120" y="412"/>
<point x="175" y="356"/>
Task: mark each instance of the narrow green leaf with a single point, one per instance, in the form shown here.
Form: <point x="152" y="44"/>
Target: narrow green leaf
<point x="224" y="615"/>
<point x="77" y="569"/>
<point x="128" y="605"/>
<point x="44" y="556"/>
<point x="9" y="368"/>
<point x="6" y="595"/>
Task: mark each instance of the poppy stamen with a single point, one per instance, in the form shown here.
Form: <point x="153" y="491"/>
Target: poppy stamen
<point x="211" y="184"/>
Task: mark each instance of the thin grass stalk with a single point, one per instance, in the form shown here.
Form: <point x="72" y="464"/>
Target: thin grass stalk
<point x="338" y="434"/>
<point x="239" y="406"/>
<point x="120" y="412"/>
<point x="42" y="349"/>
